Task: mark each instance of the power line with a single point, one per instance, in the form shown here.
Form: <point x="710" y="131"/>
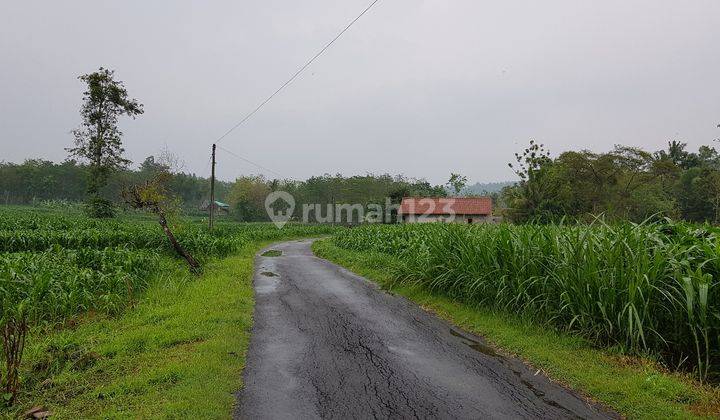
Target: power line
<point x="297" y="73"/>
<point x="250" y="162"/>
<point x="207" y="165"/>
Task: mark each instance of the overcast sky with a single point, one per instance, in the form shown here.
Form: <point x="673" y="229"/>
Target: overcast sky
<point x="415" y="87"/>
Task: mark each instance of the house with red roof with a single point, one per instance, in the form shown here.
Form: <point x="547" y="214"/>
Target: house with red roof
<point x="468" y="210"/>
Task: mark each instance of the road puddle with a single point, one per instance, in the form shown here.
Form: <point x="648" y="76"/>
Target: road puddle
<point x="269" y="274"/>
<point x="272" y="253"/>
<point x="489" y="351"/>
<point x="476" y="345"/>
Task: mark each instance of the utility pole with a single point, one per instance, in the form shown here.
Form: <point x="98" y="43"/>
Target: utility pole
<point x="212" y="189"/>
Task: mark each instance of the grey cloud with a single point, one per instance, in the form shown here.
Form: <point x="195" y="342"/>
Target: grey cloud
<point x="415" y="87"/>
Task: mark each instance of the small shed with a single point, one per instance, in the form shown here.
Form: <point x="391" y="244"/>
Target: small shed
<point x="219" y="207"/>
<point x="468" y="210"/>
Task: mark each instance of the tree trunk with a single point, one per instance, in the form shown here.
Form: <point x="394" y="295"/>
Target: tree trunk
<point x="194" y="266"/>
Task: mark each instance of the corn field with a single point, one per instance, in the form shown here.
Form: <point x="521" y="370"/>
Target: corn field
<point x="54" y="266"/>
<point x="647" y="288"/>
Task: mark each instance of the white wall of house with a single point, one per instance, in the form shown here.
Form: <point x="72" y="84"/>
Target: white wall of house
<point x="446" y="218"/>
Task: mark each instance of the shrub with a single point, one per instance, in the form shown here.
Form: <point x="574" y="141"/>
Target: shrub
<point x="99" y="208"/>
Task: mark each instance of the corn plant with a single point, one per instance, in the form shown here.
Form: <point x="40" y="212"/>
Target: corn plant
<point x="55" y="266"/>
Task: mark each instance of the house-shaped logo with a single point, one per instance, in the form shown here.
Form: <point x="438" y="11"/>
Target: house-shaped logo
<point x="279" y="199"/>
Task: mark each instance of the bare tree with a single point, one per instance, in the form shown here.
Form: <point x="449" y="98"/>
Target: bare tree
<point x="153" y="196"/>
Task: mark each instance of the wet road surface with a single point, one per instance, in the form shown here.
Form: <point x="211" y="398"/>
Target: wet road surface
<point x="327" y="343"/>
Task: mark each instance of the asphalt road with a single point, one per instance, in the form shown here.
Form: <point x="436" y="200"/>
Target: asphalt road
<point x="329" y="344"/>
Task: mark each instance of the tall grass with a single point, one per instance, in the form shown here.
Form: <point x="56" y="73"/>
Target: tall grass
<point x="648" y="288"/>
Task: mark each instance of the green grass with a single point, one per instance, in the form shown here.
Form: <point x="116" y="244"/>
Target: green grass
<point x="635" y="387"/>
<point x="178" y="354"/>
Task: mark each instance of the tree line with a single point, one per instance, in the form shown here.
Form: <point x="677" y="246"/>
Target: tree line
<point x="37" y="180"/>
<point x="247" y="194"/>
<point x="626" y="183"/>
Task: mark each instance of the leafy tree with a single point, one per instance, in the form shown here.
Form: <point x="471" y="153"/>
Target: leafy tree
<point x="98" y="140"/>
<point x="533" y="198"/>
<point x="625" y="183"/>
<point x="709" y="157"/>
<point x="697" y="197"/>
<point x="247" y="198"/>
<point x="677" y="154"/>
<point x="151" y="166"/>
<point x="457" y="182"/>
<point x="530" y="162"/>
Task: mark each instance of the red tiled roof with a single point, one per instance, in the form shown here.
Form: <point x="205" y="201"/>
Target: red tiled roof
<point x="457" y="205"/>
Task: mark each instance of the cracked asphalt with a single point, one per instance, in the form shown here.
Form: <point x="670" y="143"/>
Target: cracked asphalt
<point x="327" y="343"/>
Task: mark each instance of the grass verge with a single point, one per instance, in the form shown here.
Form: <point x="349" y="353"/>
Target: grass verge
<point x="634" y="387"/>
<point x="178" y="353"/>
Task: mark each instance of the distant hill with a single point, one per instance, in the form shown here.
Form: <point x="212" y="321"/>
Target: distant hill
<point x="486" y="188"/>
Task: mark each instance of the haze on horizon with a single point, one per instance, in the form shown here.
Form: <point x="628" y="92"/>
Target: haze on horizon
<point x="420" y="88"/>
